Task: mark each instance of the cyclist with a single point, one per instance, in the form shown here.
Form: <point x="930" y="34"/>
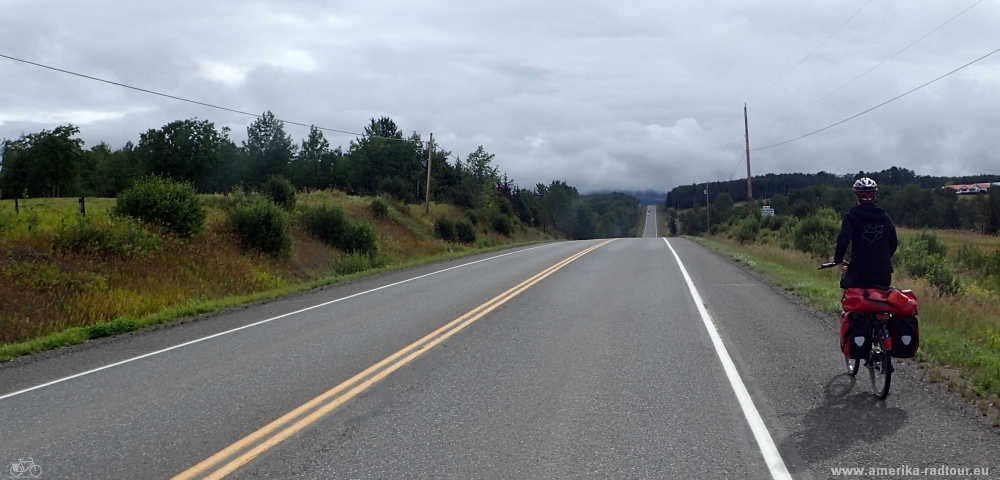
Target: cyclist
<point x="872" y="236"/>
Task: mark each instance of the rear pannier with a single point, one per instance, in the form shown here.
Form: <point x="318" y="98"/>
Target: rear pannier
<point x="905" y="335"/>
<point x="855" y="331"/>
<point x="902" y="303"/>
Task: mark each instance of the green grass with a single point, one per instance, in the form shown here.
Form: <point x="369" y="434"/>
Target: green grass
<point x="955" y="331"/>
<point x="45" y="214"/>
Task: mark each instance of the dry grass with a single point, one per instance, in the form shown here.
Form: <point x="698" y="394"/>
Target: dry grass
<point x="44" y="291"/>
<point x="956" y="238"/>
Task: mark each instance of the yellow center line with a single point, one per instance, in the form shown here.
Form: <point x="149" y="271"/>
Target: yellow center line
<point x="410" y="352"/>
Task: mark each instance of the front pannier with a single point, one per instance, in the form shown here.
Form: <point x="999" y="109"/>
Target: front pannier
<point x="905" y="334"/>
<point x="902" y="303"/>
<point x="855" y="331"/>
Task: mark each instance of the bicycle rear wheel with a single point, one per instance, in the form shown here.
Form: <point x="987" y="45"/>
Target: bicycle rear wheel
<point x="852" y="365"/>
<point x="880" y="369"/>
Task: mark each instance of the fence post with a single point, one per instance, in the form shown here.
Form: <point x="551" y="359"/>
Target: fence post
<point x="17" y="209"/>
<point x="83" y="207"/>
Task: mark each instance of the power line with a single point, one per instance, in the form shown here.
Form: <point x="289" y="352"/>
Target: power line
<point x="824" y="97"/>
<point x="879" y="105"/>
<point x="742" y="155"/>
<point x="193" y="101"/>
<point x="813" y="51"/>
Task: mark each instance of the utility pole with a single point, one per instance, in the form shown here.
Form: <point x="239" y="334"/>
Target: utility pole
<point x="545" y="204"/>
<point x="708" y="210"/>
<point x="430" y="160"/>
<point x="746" y="129"/>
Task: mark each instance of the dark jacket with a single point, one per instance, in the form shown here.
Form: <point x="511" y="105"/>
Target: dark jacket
<point x="872" y="236"/>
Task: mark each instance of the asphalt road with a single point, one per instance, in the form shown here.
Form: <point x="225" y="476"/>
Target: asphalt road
<point x="603" y="367"/>
<point x="651" y="227"/>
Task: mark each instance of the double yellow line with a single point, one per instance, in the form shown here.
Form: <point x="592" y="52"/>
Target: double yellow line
<point x="260" y="441"/>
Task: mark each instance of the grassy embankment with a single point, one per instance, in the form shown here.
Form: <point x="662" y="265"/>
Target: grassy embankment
<point x="53" y="296"/>
<point x="640" y="225"/>
<point x="958" y="331"/>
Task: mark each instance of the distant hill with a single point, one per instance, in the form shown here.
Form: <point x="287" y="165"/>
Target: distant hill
<point x="646" y="197"/>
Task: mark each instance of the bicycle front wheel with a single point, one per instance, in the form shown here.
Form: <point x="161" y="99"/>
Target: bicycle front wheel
<point x="852" y="365"/>
<point x="880" y="370"/>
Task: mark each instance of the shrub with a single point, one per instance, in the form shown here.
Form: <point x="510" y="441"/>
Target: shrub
<point x="503" y="225"/>
<point x="971" y="257"/>
<point x="379" y="208"/>
<point x="817" y="233"/>
<point x="360" y="237"/>
<point x="472" y="216"/>
<point x="326" y="222"/>
<point x="263" y="226"/>
<point x="465" y="232"/>
<point x="281" y="191"/>
<point x="942" y="277"/>
<point x="117" y="327"/>
<point x="916" y="260"/>
<point x="164" y="202"/>
<point x="933" y="245"/>
<point x="772" y="222"/>
<point x="330" y="224"/>
<point x="991" y="263"/>
<point x="444" y="228"/>
<point x="748" y="230"/>
<point x="120" y="237"/>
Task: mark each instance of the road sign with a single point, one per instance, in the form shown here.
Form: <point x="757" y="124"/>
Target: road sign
<point x="766" y="211"/>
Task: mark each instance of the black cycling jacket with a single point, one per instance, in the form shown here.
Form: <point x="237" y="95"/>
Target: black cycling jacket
<point x="872" y="236"/>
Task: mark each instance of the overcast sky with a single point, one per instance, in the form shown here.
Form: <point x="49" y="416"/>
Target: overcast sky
<point x="603" y="95"/>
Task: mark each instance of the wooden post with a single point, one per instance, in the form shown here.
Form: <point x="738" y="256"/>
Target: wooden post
<point x="83" y="207"/>
<point x="544" y="207"/>
<point x="17" y="209"/>
<point x="430" y="160"/>
<point x="746" y="129"/>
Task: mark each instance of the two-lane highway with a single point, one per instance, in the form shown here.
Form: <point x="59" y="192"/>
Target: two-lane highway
<point x="564" y="360"/>
<point x="651" y="227"/>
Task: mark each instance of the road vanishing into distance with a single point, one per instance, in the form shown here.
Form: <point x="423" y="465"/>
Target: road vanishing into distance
<point x="629" y="358"/>
<point x="650" y="228"/>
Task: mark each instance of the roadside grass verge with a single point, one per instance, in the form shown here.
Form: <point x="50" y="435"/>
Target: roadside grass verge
<point x="67" y="280"/>
<point x="960" y="332"/>
<point x="78" y="335"/>
<point x="639" y="228"/>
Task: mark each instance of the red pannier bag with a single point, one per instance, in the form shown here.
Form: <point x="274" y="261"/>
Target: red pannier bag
<point x="905" y="335"/>
<point x="901" y="303"/>
<point x="855" y="335"/>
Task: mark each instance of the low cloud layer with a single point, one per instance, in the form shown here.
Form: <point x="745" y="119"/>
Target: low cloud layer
<point x="612" y="95"/>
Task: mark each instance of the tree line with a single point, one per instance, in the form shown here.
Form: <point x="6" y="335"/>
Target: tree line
<point x="766" y="186"/>
<point x="382" y="161"/>
<point x="910" y="206"/>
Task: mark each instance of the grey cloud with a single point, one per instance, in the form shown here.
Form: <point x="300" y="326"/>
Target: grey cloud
<point x="604" y="95"/>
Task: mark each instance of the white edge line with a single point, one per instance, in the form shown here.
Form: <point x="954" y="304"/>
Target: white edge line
<point x="767" y="448"/>
<point x="192" y="342"/>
